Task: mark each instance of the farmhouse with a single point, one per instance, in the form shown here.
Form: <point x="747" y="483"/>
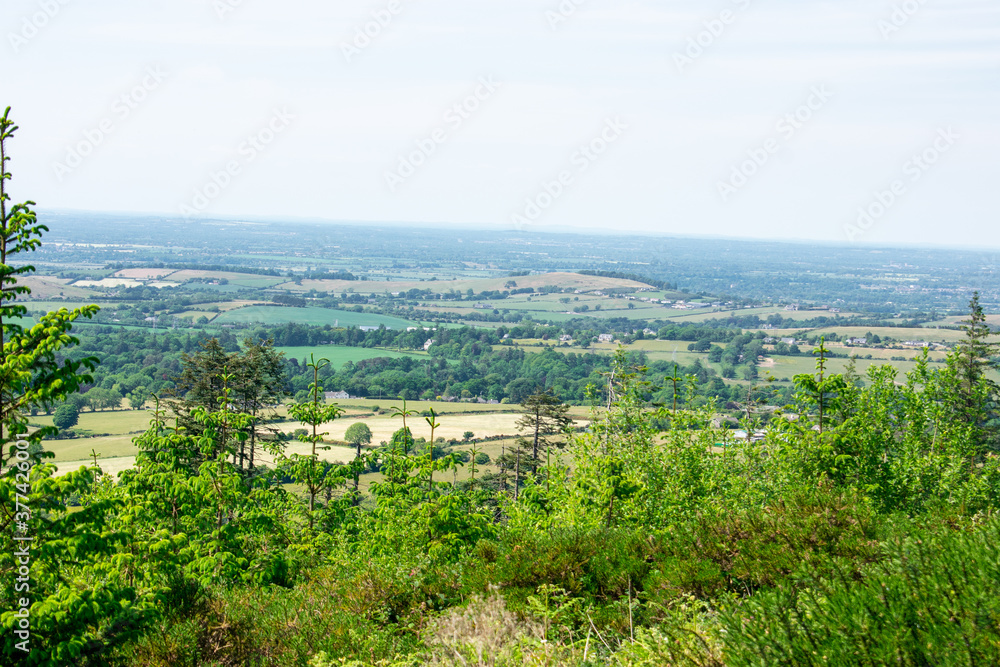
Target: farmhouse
<point x="857" y="341"/>
<point x="428" y="344"/>
<point x="336" y="395"/>
<point x="606" y="338"/>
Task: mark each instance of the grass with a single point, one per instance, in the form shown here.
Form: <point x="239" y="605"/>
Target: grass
<point x="340" y="355"/>
<point x="788" y="367"/>
<point x="110" y="466"/>
<point x="239" y="279"/>
<point x="48" y="306"/>
<point x="116" y="422"/>
<point x="308" y="315"/>
<point x="452" y="426"/>
<point x="919" y="333"/>
<point x="78" y="449"/>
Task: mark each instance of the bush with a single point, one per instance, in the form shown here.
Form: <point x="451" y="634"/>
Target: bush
<point x="932" y="601"/>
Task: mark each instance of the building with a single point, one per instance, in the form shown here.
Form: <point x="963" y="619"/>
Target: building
<point x="428" y="344"/>
<point x="336" y="395"/>
<point x="857" y="341"/>
<point x="606" y="338"/>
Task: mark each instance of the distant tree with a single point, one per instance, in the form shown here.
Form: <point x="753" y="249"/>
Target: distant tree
<point x="519" y="390"/>
<point x="974" y="358"/>
<point x="137" y="398"/>
<point x="67" y="416"/>
<point x="98" y="398"/>
<point x="256" y="384"/>
<point x="544" y="416"/>
<point x="468" y="435"/>
<point x="258" y="387"/>
<point x="358" y="434"/>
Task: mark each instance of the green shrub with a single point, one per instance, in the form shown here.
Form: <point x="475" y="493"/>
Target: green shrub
<point x="932" y="601"/>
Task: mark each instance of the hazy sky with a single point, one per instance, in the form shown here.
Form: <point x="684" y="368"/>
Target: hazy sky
<point x="755" y="118"/>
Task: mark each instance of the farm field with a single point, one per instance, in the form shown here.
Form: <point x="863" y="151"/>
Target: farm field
<point x="789" y="367"/>
<point x="78" y="449"/>
<point x="113" y="422"/>
<point x="107" y="283"/>
<point x="919" y="333"/>
<point x="117" y="452"/>
<point x="144" y="274"/>
<point x="47" y="287"/>
<point x="452" y="426"/>
<point x="110" y="465"/>
<point x="239" y="279"/>
<point x="307" y="315"/>
<point x="340" y="355"/>
<point x="571" y="281"/>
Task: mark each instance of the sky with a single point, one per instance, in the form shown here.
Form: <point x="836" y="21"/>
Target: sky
<point x="859" y="122"/>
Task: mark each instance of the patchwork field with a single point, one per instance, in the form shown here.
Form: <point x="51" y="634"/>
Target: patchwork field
<point x="571" y="281"/>
<point x="308" y="315"/>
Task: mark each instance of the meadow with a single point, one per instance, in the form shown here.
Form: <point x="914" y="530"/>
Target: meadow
<point x="341" y="354"/>
<point x="307" y="315"/>
<point x="110" y="433"/>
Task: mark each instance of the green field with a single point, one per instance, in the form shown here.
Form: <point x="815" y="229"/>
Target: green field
<point x="115" y="422"/>
<point x="78" y="449"/>
<point x="308" y="315"/>
<point x="47" y="306"/>
<point x="789" y="367"/>
<point x="925" y="334"/>
<point x="340" y="355"/>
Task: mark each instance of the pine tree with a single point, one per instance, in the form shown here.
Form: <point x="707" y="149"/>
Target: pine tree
<point x="544" y="416"/>
<point x="974" y="358"/>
